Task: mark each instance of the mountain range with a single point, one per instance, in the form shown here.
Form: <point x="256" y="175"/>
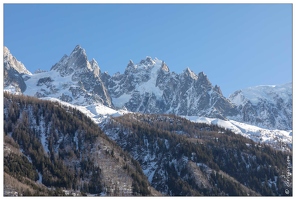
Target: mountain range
<point x="163" y="133"/>
<point x="150" y="87"/>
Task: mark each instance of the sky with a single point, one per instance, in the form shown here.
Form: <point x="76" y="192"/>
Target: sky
<point x="235" y="45"/>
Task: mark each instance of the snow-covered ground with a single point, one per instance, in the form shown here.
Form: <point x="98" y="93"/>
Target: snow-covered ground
<point x="267" y="92"/>
<point x="11" y="89"/>
<point x="257" y="134"/>
<point x="97" y="112"/>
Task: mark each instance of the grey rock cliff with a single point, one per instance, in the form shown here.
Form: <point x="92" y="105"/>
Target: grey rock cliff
<point x="13" y="71"/>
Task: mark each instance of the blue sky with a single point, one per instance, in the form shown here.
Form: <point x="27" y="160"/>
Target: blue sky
<point x="235" y="45"/>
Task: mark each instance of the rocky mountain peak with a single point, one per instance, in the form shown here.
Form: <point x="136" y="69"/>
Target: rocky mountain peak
<point x="65" y="56"/>
<point x="76" y="63"/>
<point x="130" y="66"/>
<point x="164" y="67"/>
<point x="73" y="79"/>
<point x="79" y="55"/>
<point x="217" y="89"/>
<point x="13" y="73"/>
<point x="11" y="62"/>
<point x="95" y="67"/>
<point x="130" y="63"/>
<point x="189" y="73"/>
<point x="203" y="79"/>
<point x="237" y="97"/>
<point x="5" y="51"/>
<point x="202" y="75"/>
<point x="148" y="61"/>
<point x="78" y="50"/>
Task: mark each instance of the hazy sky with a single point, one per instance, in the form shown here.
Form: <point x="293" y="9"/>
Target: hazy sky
<point x="235" y="45"/>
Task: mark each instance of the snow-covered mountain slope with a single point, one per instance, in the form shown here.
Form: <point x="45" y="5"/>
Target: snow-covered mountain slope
<point x="97" y="112"/>
<point x="13" y="71"/>
<point x="265" y="106"/>
<point x="73" y="79"/>
<point x="279" y="139"/>
<point x="150" y="87"/>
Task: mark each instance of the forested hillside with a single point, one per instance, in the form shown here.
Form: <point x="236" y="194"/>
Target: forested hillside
<point x="55" y="150"/>
<point x="51" y="149"/>
<point x="184" y="158"/>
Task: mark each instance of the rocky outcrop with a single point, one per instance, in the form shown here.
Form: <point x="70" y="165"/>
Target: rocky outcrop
<point x="13" y="71"/>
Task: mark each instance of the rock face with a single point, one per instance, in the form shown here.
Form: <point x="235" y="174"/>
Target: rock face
<point x="265" y="106"/>
<point x="13" y="71"/>
<point x="150" y="87"/>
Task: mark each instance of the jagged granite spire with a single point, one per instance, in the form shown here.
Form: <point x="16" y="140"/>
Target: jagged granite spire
<point x="11" y="62"/>
<point x="13" y="71"/>
<point x="217" y="89"/>
<point x="79" y="79"/>
<point x="130" y="66"/>
<point x="148" y="61"/>
<point x="189" y="73"/>
<point x="164" y="67"/>
<point x="150" y="87"/>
